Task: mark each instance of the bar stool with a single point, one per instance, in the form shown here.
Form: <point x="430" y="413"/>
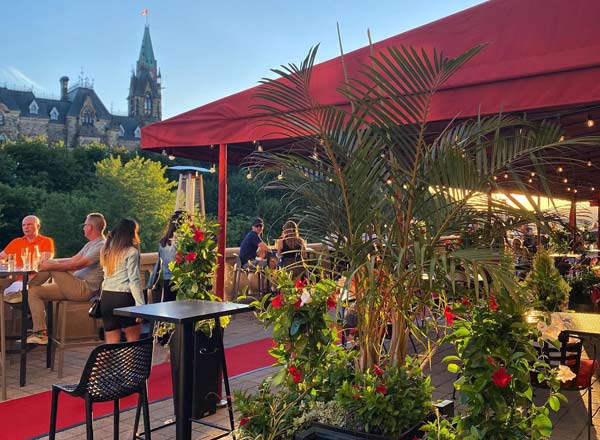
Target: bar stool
<point x="60" y="340"/>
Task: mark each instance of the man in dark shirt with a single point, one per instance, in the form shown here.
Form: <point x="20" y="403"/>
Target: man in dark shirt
<point x="253" y="246"/>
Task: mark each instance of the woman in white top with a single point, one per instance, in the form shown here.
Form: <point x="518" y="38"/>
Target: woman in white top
<point x="120" y="259"/>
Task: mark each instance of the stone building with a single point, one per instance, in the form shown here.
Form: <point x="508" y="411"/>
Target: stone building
<point x="79" y="116"/>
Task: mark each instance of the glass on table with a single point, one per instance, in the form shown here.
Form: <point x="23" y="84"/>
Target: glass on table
<point x="11" y="262"/>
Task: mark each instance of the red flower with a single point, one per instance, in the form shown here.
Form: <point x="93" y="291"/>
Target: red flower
<point x="277" y="301"/>
<point x="331" y="301"/>
<point x="377" y="371"/>
<point x="501" y="378"/>
<point x="179" y="257"/>
<point x="491" y="361"/>
<point x="449" y="315"/>
<point x="381" y="389"/>
<point x="465" y="301"/>
<point x="300" y="284"/>
<point x="356" y="396"/>
<point x="191" y="256"/>
<point x="198" y="236"/>
<point x="296" y="374"/>
<point x="298" y="303"/>
<point x="493" y="304"/>
<point x="244" y="420"/>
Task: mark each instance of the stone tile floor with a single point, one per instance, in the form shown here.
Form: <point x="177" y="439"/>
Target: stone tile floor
<point x="570" y="422"/>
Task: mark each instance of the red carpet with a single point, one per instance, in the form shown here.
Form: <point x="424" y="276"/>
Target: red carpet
<point x="30" y="416"/>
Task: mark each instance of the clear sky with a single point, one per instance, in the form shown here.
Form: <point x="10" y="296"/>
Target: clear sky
<point x="205" y="49"/>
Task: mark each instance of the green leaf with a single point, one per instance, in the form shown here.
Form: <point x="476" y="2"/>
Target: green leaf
<point x="453" y="368"/>
<point x="554" y="403"/>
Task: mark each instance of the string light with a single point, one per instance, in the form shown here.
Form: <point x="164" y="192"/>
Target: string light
<point x="258" y="147"/>
<point x="495" y="178"/>
<point x="164" y="152"/>
<point x="575" y="190"/>
<point x="532" y="174"/>
<point x="559" y="169"/>
<point x="213" y="168"/>
<point x="560" y="139"/>
<point x="506" y="175"/>
<point x="530" y="180"/>
<point x="565" y="180"/>
<point x="280" y="175"/>
<point x="590" y="122"/>
<point x="315" y="155"/>
<point x="389" y="181"/>
<point x="589" y="163"/>
<point x="569" y="188"/>
<point x="593" y="188"/>
<point x="249" y="175"/>
<point x="171" y="157"/>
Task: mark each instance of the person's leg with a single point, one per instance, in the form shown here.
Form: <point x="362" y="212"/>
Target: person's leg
<point x="133" y="333"/>
<point x="73" y="288"/>
<point x="37" y="298"/>
<point x="112" y="336"/>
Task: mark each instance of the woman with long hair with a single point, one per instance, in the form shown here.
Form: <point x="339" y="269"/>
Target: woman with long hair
<point x="291" y="248"/>
<point x="167" y="249"/>
<point x="120" y="260"/>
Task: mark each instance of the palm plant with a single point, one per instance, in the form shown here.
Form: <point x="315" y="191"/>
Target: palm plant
<point x="384" y="191"/>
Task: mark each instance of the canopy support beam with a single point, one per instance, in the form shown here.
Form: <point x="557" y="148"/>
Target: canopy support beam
<point x="222" y="217"/>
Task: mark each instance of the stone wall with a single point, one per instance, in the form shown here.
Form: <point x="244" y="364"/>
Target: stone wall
<point x="30" y="127"/>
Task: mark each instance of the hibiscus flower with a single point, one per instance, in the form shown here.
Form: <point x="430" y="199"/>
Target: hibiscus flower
<point x="300" y="284"/>
<point x="501" y="378"/>
<point x="331" y="301"/>
<point x="179" y="257"/>
<point x="198" y="236"/>
<point x="296" y="374"/>
<point x="244" y="420"/>
<point x="449" y="315"/>
<point x="277" y="302"/>
<point x="191" y="256"/>
<point x="381" y="389"/>
<point x="377" y="371"/>
<point x="493" y="304"/>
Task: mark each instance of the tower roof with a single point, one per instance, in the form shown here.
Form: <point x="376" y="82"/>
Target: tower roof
<point x="146" y="58"/>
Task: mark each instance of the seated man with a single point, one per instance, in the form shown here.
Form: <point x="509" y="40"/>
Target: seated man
<point x="31" y="238"/>
<point x="82" y="284"/>
<point x="253" y="250"/>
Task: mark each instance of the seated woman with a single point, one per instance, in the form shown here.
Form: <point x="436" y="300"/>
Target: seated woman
<point x="291" y="248"/>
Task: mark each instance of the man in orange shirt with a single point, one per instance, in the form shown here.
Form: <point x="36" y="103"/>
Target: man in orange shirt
<point x="31" y="238"/>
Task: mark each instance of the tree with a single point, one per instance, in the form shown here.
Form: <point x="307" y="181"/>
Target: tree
<point x="17" y="202"/>
<point x="136" y="189"/>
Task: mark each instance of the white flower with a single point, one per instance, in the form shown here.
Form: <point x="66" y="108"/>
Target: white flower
<point x="565" y="374"/>
<point x="305" y="298"/>
<point x="552" y="331"/>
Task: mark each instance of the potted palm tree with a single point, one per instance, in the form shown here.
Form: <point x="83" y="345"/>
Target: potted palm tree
<point x="390" y="196"/>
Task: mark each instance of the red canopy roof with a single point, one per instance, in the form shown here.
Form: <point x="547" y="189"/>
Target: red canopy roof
<point x="541" y="54"/>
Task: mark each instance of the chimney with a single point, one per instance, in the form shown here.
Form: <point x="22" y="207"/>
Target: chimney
<point x="64" y="88"/>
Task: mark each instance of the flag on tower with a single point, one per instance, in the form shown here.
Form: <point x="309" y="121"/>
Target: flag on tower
<point x="144" y="12"/>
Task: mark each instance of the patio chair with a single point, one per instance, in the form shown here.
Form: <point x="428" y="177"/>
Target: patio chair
<point x="569" y="354"/>
<point x="113" y="371"/>
<point x="238" y="269"/>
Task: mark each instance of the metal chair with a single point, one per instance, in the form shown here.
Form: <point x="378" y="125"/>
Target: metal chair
<point x="238" y="269"/>
<point x="569" y="354"/>
<point x="113" y="371"/>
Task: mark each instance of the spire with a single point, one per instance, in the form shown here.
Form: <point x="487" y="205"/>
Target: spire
<point x="146" y="58"/>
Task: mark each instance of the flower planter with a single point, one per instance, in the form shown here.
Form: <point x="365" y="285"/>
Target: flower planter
<point x="321" y="431"/>
<point x="206" y="373"/>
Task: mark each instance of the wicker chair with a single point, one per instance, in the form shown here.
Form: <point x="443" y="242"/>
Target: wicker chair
<point x="113" y="371"/>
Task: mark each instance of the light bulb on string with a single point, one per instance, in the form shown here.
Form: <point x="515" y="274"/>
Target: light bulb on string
<point x="593" y="188"/>
<point x="559" y="169"/>
<point x="388" y="181"/>
<point x="506" y="175"/>
<point x="590" y="122"/>
<point x="530" y="180"/>
<point x="164" y="152"/>
<point x="589" y="163"/>
<point x="532" y="174"/>
<point x="249" y="175"/>
<point x="315" y="155"/>
<point x="568" y="188"/>
<point x="213" y="168"/>
<point x="565" y="180"/>
<point x="280" y="175"/>
<point x="561" y="139"/>
<point x="575" y="190"/>
<point x="171" y="157"/>
<point x="495" y="177"/>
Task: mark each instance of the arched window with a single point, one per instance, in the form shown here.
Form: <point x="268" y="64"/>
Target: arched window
<point x="148" y="104"/>
<point x="137" y="133"/>
<point x="54" y="114"/>
<point x="33" y="108"/>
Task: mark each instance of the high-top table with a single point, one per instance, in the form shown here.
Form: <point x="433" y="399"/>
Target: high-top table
<point x="580" y="323"/>
<point x="4" y="273"/>
<point x="184" y="314"/>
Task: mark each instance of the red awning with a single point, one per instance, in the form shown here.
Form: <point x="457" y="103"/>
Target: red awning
<point x="541" y="54"/>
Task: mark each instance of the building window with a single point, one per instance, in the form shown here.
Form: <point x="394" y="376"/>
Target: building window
<point x="138" y="133"/>
<point x="33" y="108"/>
<point x="148" y="105"/>
<point x="2" y="138"/>
<point x="54" y="114"/>
<point x="121" y="131"/>
<point x="1" y="118"/>
<point x="87" y="118"/>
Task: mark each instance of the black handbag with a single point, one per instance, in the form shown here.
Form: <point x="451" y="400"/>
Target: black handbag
<point x="95" y="311"/>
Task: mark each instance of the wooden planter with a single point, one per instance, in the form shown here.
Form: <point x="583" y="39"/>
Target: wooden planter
<point x="320" y="431"/>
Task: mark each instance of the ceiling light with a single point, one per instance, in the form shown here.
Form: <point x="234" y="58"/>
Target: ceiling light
<point x="505" y="175"/>
<point x="590" y="122"/>
<point x="568" y="188"/>
<point x="593" y="188"/>
<point x="530" y="180"/>
<point x="559" y="169"/>
<point x="565" y="180"/>
<point x="575" y="190"/>
<point x="532" y="174"/>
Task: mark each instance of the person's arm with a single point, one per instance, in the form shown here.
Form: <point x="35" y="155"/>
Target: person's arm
<point x="76" y="262"/>
<point x="132" y="262"/>
<point x="262" y="245"/>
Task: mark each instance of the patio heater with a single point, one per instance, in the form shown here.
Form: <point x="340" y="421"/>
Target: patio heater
<point x="190" y="189"/>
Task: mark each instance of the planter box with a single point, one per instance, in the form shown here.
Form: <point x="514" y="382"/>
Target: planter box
<point x="320" y="431"/>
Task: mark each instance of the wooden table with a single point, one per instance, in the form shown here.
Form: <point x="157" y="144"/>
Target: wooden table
<point x="587" y="324"/>
<point x="184" y="314"/>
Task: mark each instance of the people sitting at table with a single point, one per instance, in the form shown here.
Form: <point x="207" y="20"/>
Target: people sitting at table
<point x="74" y="279"/>
<point x="31" y="238"/>
<point x="253" y="250"/>
<point x="122" y="287"/>
<point x="291" y="248"/>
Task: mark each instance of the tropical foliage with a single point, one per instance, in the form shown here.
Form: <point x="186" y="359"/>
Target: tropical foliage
<point x="385" y="189"/>
<point x="545" y="283"/>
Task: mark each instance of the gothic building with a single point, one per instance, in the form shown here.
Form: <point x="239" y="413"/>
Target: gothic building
<point x="79" y="116"/>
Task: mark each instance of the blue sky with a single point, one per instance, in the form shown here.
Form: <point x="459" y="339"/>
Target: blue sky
<point x="205" y="49"/>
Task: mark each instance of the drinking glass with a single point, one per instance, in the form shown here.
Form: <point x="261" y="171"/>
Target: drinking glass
<point x="25" y="258"/>
<point x="11" y="262"/>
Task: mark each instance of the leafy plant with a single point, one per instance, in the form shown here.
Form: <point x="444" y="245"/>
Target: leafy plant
<point x="546" y="283"/>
